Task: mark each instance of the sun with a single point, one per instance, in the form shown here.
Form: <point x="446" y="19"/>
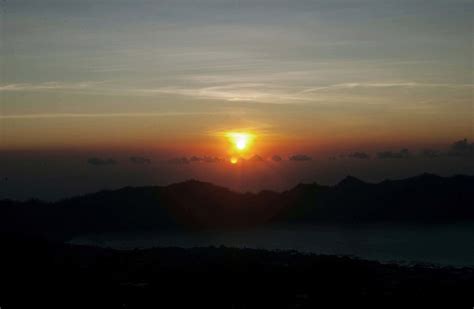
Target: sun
<point x="240" y="140"/>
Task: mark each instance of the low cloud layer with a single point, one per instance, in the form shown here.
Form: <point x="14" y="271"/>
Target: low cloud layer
<point x="196" y="159"/>
<point x="300" y="158"/>
<point x="140" y="160"/>
<point x="430" y="153"/>
<point x="402" y="154"/>
<point x="180" y="160"/>
<point x="101" y="161"/>
<point x="462" y="148"/>
<point x="212" y="159"/>
<point x="359" y="155"/>
<point x="277" y="158"/>
<point x="256" y="158"/>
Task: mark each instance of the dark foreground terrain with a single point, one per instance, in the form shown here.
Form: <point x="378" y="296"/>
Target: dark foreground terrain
<point x="38" y="274"/>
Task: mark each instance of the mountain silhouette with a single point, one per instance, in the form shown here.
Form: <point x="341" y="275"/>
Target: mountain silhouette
<point x="200" y="205"/>
<point x="425" y="198"/>
<point x="351" y="181"/>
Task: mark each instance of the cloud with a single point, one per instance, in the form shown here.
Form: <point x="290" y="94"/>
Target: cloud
<point x="195" y="159"/>
<point x="246" y="92"/>
<point x="359" y="155"/>
<point x="256" y="158"/>
<point x="402" y="154"/>
<point x="45" y="86"/>
<point x="277" y="158"/>
<point x="106" y="115"/>
<point x="430" y="153"/>
<point x="207" y="159"/>
<point x="387" y="85"/>
<point x="462" y="148"/>
<point x="140" y="160"/>
<point x="299" y="157"/>
<point x="180" y="160"/>
<point x="101" y="161"/>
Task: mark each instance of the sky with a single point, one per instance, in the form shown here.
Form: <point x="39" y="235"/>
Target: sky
<point x="165" y="80"/>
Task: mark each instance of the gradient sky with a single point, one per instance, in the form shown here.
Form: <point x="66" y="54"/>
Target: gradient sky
<point x="168" y="77"/>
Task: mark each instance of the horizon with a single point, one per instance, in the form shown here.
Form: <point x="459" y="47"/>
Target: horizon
<point x="54" y="175"/>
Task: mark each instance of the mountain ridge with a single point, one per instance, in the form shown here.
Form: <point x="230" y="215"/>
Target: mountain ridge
<point x="194" y="204"/>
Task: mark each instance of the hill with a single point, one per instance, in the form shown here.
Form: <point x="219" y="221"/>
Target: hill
<point x="424" y="199"/>
<point x="200" y="205"/>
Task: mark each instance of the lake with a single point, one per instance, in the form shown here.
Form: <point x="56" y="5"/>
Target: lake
<point x="444" y="245"/>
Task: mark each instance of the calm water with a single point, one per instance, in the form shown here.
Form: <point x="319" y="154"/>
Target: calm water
<point x="442" y="245"/>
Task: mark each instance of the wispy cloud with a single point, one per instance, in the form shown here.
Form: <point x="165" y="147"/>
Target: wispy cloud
<point x="256" y="92"/>
<point x="105" y="115"/>
<point x="387" y="85"/>
<point x="243" y="91"/>
<point x="233" y="90"/>
<point x="45" y="86"/>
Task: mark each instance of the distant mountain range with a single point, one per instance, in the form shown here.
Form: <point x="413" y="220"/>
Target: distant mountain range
<point x="200" y="205"/>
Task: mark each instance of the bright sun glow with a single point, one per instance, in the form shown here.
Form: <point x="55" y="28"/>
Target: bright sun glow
<point x="241" y="143"/>
<point x="240" y="140"/>
<point x="234" y="160"/>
